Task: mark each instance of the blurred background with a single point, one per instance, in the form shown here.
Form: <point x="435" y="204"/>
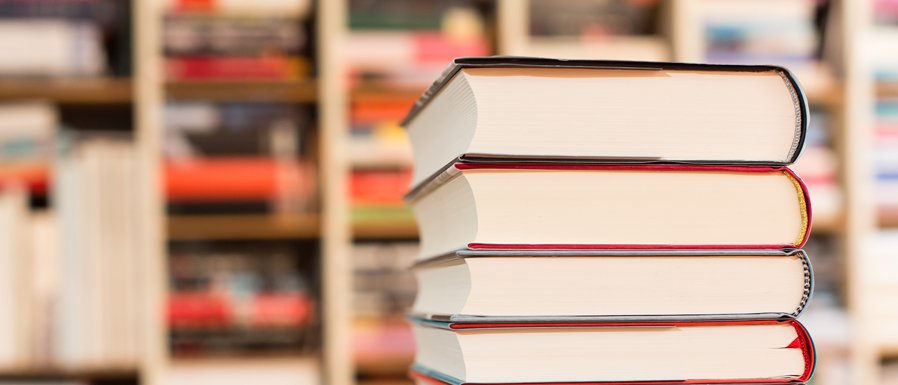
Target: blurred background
<point x="209" y="191"/>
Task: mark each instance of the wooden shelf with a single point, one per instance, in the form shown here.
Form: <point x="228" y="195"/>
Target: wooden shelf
<point x="301" y="91"/>
<point x="828" y="96"/>
<point x="888" y="349"/>
<point x="829" y="223"/>
<point x="68" y="91"/>
<point x="386" y="366"/>
<point x="242" y="227"/>
<point x="246" y="359"/>
<point x="50" y="373"/>
<point x="373" y="230"/>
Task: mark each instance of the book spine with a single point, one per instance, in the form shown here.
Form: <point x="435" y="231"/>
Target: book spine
<point x="212" y="68"/>
<point x="200" y="36"/>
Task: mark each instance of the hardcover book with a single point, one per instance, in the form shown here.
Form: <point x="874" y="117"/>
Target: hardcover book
<point x="612" y="285"/>
<point x="495" y="108"/>
<point x="759" y="351"/>
<point x="484" y="206"/>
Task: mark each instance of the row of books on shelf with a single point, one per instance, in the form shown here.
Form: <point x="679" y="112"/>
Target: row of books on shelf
<point x="406" y="59"/>
<point x="883" y="287"/>
<point x="239" y="157"/>
<point x="885" y="12"/>
<point x="203" y="40"/>
<point x="819" y="165"/>
<point x="738" y="31"/>
<point x="209" y="186"/>
<point x="226" y="299"/>
<point x="252" y="297"/>
<point x="383" y="289"/>
<point x="396" y="44"/>
<point x="218" y="157"/>
<point x="885" y="154"/>
<point x="608" y="29"/>
<point x="72" y="273"/>
<point x="228" y="40"/>
<point x="64" y="38"/>
<point x="376" y="196"/>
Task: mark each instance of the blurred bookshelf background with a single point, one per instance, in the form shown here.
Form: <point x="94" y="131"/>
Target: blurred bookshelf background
<point x="210" y="190"/>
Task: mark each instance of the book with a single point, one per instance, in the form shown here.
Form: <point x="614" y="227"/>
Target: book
<point x="424" y="15"/>
<point x="52" y="47"/>
<point x="885" y="157"/>
<point x="230" y="179"/>
<point x="287" y="8"/>
<point x="27" y="143"/>
<point x="378" y="188"/>
<point x="613" y="284"/>
<point x="274" y="67"/>
<point x="881" y="284"/>
<point x="407" y="59"/>
<point x="15" y="296"/>
<point x="595" y="18"/>
<point x="518" y="206"/>
<point x="607" y="111"/>
<point x="382" y="285"/>
<point x="192" y="35"/>
<point x="95" y="317"/>
<point x="759" y="351"/>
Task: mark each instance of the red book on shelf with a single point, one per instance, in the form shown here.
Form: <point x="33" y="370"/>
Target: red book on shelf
<point x="36" y="177"/>
<point x="281" y="309"/>
<point x="438" y="48"/>
<point x="198" y="309"/>
<point x="669" y="352"/>
<point x="236" y="68"/>
<point x="500" y="204"/>
<point x="234" y="179"/>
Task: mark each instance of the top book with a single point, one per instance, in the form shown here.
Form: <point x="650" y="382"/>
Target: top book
<point x="518" y="108"/>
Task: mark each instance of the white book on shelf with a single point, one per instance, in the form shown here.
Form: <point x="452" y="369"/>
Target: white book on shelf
<point x="13" y="250"/>
<point x="49" y="47"/>
<point x="27" y="121"/>
<point x="45" y="246"/>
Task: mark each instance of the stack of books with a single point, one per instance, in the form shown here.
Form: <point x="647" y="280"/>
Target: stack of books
<point x="610" y="222"/>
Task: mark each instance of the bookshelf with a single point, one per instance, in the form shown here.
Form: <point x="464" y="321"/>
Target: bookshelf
<point x="846" y="91"/>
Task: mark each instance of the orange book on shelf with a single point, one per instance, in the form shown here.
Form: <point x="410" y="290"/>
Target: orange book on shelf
<point x="372" y="110"/>
<point x="235" y="179"/>
<point x="379" y="188"/>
